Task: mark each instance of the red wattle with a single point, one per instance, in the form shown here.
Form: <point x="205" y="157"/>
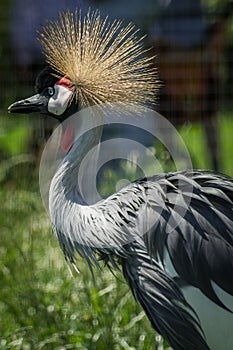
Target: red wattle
<point x="67" y="138"/>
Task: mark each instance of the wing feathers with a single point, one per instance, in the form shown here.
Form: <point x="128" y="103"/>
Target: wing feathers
<point x="162" y="301"/>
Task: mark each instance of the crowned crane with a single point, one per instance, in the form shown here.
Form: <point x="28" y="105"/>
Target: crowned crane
<point x="182" y="273"/>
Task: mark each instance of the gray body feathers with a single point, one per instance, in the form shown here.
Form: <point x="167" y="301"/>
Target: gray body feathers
<point x="185" y="215"/>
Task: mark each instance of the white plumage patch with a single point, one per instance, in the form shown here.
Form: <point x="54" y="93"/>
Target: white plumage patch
<point x="60" y="99"/>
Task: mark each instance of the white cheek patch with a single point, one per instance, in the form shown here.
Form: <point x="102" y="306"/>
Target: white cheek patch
<point x="59" y="101"/>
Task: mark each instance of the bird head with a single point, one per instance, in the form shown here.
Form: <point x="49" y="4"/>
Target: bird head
<point x="91" y="61"/>
<point x="53" y="97"/>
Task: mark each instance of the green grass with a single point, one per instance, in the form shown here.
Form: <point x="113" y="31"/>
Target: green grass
<point x="194" y="139"/>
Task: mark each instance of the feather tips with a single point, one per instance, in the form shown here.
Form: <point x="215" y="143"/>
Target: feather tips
<point x="162" y="301"/>
<point x="106" y="62"/>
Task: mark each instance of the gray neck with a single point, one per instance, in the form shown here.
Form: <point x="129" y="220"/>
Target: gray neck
<point x="64" y="187"/>
<point x="66" y="206"/>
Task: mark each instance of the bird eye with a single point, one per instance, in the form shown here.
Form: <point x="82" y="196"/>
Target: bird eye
<point x="50" y="91"/>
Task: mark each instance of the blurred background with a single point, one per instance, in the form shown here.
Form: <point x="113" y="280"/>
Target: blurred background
<point x="41" y="306"/>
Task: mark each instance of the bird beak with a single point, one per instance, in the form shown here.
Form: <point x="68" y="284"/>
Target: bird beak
<point x="35" y="103"/>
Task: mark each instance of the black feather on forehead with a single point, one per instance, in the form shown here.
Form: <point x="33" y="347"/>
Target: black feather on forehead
<point x="45" y="79"/>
